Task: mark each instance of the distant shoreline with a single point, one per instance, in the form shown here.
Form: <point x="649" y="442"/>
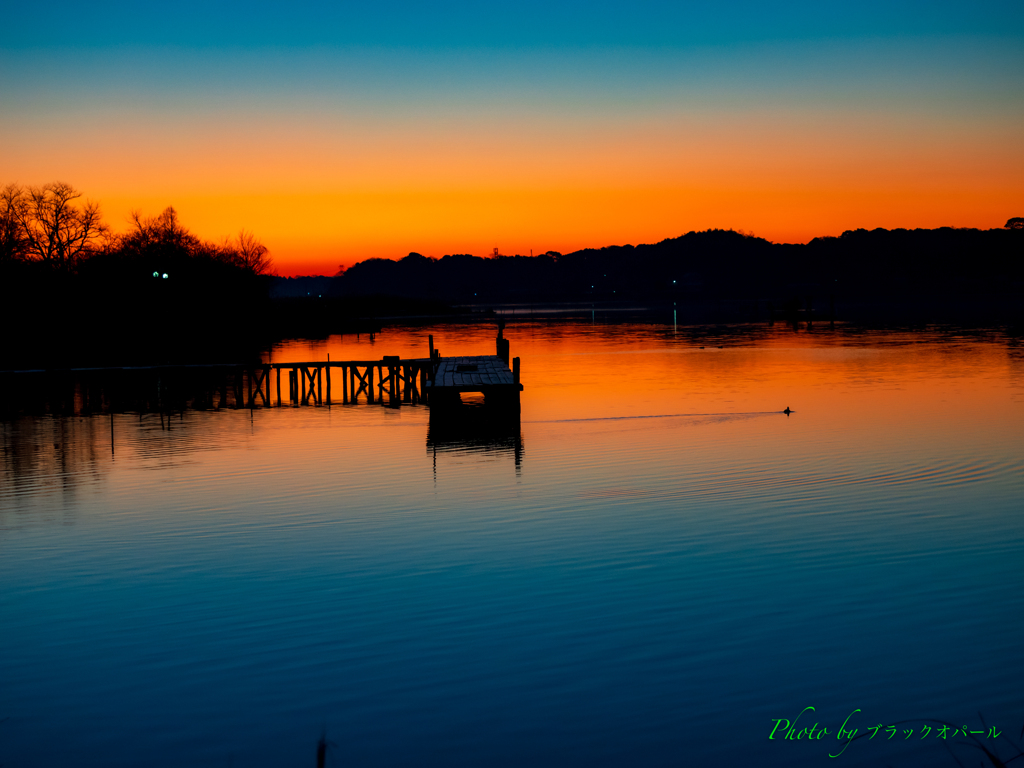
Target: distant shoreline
<point x="169" y="307"/>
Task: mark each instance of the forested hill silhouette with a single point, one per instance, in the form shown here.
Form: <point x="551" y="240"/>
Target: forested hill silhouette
<point x="73" y="293"/>
<point x="859" y="264"/>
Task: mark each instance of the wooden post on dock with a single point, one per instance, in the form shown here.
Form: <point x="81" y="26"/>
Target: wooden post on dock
<point x="279" y="385"/>
<point x="501" y="342"/>
<point x="259" y="385"/>
<point x="319" y="385"/>
<point x="430" y="344"/>
<point x="408" y="383"/>
<point x="391" y="362"/>
<point x="344" y="384"/>
<point x="515" y="370"/>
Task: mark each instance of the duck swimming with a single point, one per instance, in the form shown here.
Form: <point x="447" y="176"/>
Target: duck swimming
<point x="787" y="411"/>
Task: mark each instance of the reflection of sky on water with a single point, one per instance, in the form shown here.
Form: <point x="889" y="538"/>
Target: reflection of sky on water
<point x="673" y="560"/>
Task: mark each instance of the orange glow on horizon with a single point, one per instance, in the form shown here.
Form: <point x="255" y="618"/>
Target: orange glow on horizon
<point x="345" y="228"/>
<point x="332" y="192"/>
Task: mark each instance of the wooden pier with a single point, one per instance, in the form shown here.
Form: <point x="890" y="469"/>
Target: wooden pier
<point x="487" y="374"/>
<point x="390" y="381"/>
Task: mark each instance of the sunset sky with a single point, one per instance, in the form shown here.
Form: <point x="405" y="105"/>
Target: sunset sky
<point x="338" y="132"/>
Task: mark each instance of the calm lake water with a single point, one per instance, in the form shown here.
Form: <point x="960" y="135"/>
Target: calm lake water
<point x="654" y="570"/>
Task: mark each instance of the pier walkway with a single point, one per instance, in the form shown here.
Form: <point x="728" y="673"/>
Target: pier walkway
<point x="390" y="381"/>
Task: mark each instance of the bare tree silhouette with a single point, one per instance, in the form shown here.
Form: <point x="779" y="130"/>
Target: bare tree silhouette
<point x="12" y="243"/>
<point x="252" y="254"/>
<point x="159" y="235"/>
<point x="165" y="236"/>
<point x="54" y="229"/>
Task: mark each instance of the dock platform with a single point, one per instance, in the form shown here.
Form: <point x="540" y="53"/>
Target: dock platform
<point x="486" y="374"/>
<point x="473" y="374"/>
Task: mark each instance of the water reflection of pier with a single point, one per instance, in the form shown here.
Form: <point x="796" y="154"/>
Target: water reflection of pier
<point x="475" y="429"/>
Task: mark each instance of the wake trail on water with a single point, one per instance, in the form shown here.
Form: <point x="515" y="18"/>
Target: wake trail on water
<point x="742" y="415"/>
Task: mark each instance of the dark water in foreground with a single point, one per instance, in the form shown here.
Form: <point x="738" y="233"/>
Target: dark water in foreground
<point x="654" y="569"/>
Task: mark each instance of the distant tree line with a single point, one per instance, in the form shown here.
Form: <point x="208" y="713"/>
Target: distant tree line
<point x="73" y="292"/>
<point x="716" y="264"/>
<point x="52" y="226"/>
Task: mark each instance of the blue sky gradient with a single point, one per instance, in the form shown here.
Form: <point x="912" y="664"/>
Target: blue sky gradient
<point x="475" y="25"/>
<point x="458" y="127"/>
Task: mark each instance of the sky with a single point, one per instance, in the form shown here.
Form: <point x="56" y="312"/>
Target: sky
<point x="339" y="131"/>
